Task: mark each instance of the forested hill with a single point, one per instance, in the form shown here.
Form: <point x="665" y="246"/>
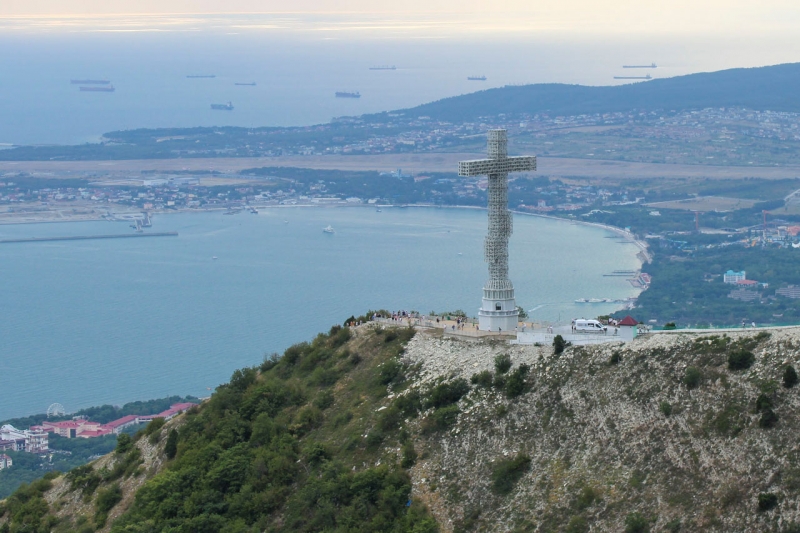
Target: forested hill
<point x="771" y="88"/>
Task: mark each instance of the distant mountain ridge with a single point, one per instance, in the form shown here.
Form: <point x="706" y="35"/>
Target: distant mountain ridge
<point x="771" y="88"/>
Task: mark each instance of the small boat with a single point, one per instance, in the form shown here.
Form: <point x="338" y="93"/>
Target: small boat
<point x="328" y="229"/>
<point x="214" y="257"/>
<point x="379" y="210"/>
<point x="348" y="94"/>
<point x="285" y="221"/>
<point x="254" y="210"/>
<point x="595" y="300"/>
<point x="251" y="84"/>
<point x="459" y="253"/>
<point x="581" y="301"/>
<point x="476" y="78"/>
<point x="222" y="107"/>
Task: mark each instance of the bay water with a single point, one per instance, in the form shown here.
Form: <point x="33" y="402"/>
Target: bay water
<point x="109" y="321"/>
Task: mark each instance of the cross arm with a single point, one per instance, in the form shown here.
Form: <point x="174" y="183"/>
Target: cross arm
<point x="483" y="167"/>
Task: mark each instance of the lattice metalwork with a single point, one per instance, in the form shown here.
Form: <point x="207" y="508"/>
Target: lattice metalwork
<point x="497" y="168"/>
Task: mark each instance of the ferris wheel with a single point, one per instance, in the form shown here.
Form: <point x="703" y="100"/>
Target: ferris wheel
<point x="56" y="409"/>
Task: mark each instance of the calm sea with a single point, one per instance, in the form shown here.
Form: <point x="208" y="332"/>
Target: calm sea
<point x="297" y="75"/>
<point x="109" y="321"/>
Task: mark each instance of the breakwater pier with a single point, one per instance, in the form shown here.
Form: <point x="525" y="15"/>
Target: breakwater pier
<point x="91" y="237"/>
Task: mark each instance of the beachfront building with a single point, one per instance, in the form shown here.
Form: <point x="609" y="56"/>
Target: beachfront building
<point x="71" y="429"/>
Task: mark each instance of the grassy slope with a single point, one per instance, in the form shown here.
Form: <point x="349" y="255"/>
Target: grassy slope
<point x="327" y="439"/>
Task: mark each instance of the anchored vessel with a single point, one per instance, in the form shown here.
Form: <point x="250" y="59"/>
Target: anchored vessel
<point x="251" y="84"/>
<point x="499" y="309"/>
<point x="346" y="94"/>
<point x="108" y="89"/>
<point x="89" y="82"/>
<point x="652" y="65"/>
<point x="476" y="78"/>
<point x="383" y="67"/>
<point x="201" y="76"/>
<point x="223" y="107"/>
<point x="648" y="77"/>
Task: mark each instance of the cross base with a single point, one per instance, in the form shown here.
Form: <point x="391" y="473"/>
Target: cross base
<point x="499" y="311"/>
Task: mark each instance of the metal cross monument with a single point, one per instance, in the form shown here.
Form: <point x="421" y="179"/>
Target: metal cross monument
<point x="499" y="309"/>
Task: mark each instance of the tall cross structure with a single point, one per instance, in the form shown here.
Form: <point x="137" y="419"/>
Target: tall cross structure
<point x="499" y="309"/>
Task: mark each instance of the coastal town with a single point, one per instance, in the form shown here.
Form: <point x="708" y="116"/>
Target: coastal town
<point x="35" y="439"/>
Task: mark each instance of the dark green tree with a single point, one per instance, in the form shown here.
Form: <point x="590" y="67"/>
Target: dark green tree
<point x="789" y="377"/>
<point x="171" y="448"/>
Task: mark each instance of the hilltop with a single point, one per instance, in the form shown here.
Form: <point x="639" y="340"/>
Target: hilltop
<point x="763" y="88"/>
<point x="387" y="429"/>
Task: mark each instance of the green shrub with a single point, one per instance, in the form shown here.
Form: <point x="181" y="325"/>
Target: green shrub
<point x="124" y="443"/>
<point x="390" y="372"/>
<point x="763" y="402"/>
<point x="741" y="359"/>
<point x="507" y="472"/>
<point x="586" y="497"/>
<point x="154" y="426"/>
<point x="615" y="359"/>
<point x="447" y="393"/>
<point x="673" y="526"/>
<point x="409" y="455"/>
<point x="789" y="377"/>
<point x="409" y="404"/>
<point x="559" y="344"/>
<point x="515" y="384"/>
<point x="502" y="363"/>
<point x="577" y="524"/>
<point x="389" y="419"/>
<point x="636" y="523"/>
<point x="324" y="399"/>
<point x="768" y="418"/>
<point x="171" y="447"/>
<point x="665" y="408"/>
<point x="670" y="325"/>
<point x="106" y="500"/>
<point x="482" y="379"/>
<point x="767" y="501"/>
<point x="441" y="419"/>
<point x="692" y="377"/>
<point x="84" y="478"/>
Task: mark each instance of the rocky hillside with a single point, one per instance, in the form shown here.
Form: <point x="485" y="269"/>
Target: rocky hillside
<point x="379" y="429"/>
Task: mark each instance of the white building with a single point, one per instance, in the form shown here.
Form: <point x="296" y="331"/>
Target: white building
<point x="733" y="277"/>
<point x="35" y="441"/>
<point x="5" y="461"/>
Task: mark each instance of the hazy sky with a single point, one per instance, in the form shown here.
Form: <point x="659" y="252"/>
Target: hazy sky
<point x="729" y="17"/>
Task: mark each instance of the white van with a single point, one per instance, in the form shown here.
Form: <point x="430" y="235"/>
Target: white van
<point x="590" y="326"/>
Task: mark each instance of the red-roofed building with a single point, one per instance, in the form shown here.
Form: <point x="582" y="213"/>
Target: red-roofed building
<point x="92" y="433"/>
<point x="747" y="283"/>
<point x="116" y="426"/>
<point x="628" y="328"/>
<point x="70" y="428"/>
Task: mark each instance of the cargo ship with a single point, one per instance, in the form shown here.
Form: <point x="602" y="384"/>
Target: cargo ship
<point x="476" y="78"/>
<point x="383" y="67"/>
<point x="346" y="94"/>
<point x="223" y="107"/>
<point x="651" y="65"/>
<point x="648" y="77"/>
<point x="109" y="89"/>
<point x="201" y="76"/>
<point x="90" y="82"/>
<point x="251" y="84"/>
